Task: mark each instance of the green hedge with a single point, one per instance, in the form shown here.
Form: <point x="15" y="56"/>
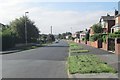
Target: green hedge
<point x="118" y="32"/>
<point x="83" y="39"/>
<point x="96" y="37"/>
<point x="8" y="39"/>
<point x="104" y="38"/>
<point x="113" y="35"/>
<point x="100" y="37"/>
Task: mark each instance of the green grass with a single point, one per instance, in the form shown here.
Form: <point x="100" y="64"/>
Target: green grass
<point x="33" y="47"/>
<point x="88" y="64"/>
<point x="79" y="51"/>
<point x="76" y="48"/>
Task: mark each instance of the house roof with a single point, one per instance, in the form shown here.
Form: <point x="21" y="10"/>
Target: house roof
<point x="117" y="15"/>
<point x="106" y="18"/>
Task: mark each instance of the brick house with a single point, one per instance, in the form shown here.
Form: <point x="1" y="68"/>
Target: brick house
<point x="91" y="31"/>
<point x="116" y="27"/>
<point x="107" y="23"/>
<point x="82" y="35"/>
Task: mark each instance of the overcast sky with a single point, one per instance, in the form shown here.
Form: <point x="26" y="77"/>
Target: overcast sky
<point x="61" y="15"/>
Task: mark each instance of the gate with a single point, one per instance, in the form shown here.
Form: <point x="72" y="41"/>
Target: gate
<point x="111" y="44"/>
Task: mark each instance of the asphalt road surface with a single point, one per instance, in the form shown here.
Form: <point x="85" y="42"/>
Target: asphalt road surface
<point x="44" y="62"/>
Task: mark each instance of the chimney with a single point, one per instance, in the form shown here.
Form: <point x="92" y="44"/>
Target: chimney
<point x="108" y="14"/>
<point x="116" y="12"/>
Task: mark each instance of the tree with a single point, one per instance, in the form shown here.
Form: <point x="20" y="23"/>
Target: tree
<point x="63" y="35"/>
<point x="8" y="38"/>
<point x="43" y="38"/>
<point x="87" y="35"/>
<point x="18" y="27"/>
<point x="68" y="33"/>
<point x="50" y="38"/>
<point x="59" y="36"/>
<point x="97" y="28"/>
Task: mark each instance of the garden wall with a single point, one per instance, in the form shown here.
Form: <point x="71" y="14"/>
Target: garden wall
<point x="104" y="46"/>
<point x="89" y="43"/>
<point x="96" y="44"/>
<point x="117" y="46"/>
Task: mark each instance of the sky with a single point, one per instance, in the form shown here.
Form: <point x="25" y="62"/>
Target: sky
<point x="69" y="16"/>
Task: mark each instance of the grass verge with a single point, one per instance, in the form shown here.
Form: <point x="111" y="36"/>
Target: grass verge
<point x="88" y="64"/>
<point x="79" y="51"/>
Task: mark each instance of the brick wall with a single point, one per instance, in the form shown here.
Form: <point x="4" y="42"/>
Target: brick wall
<point x="89" y="43"/>
<point x="117" y="46"/>
<point x="119" y="20"/>
<point x="104" y="46"/>
<point x="94" y="44"/>
<point x="83" y="42"/>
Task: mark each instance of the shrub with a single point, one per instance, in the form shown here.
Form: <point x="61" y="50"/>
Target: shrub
<point x="113" y="35"/>
<point x="118" y="32"/>
<point x="104" y="38"/>
<point x="8" y="39"/>
<point x="83" y="39"/>
<point x="96" y="37"/>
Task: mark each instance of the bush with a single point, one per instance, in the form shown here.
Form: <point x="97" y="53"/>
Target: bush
<point x="96" y="37"/>
<point x="113" y="35"/>
<point x="118" y="32"/>
<point x="8" y="40"/>
<point x="83" y="39"/>
<point x="104" y="38"/>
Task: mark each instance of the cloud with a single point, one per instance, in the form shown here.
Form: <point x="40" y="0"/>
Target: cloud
<point x="61" y="21"/>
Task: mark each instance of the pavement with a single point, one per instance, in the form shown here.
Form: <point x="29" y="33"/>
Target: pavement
<point x="8" y="52"/>
<point x="44" y="62"/>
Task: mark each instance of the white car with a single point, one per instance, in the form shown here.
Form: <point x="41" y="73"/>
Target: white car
<point x="56" y="41"/>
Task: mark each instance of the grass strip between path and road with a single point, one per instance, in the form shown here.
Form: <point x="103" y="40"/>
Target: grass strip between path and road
<point x="75" y="48"/>
<point x="88" y="64"/>
<point x="79" y="51"/>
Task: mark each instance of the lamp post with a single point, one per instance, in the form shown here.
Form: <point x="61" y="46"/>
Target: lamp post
<point x="51" y="29"/>
<point x="26" y="27"/>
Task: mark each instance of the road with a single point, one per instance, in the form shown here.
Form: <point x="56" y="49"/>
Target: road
<point x="44" y="62"/>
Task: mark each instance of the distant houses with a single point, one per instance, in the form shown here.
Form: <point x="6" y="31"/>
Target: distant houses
<point x="107" y="22"/>
<point x="108" y="39"/>
<point x="116" y="27"/>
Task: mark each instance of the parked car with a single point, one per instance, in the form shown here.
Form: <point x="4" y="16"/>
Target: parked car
<point x="56" y="41"/>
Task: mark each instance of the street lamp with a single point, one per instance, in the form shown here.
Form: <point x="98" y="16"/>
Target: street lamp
<point x="26" y="27"/>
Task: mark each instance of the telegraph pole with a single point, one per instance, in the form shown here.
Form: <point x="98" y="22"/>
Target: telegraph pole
<point x="71" y="29"/>
<point x="26" y="27"/>
<point x="51" y="29"/>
